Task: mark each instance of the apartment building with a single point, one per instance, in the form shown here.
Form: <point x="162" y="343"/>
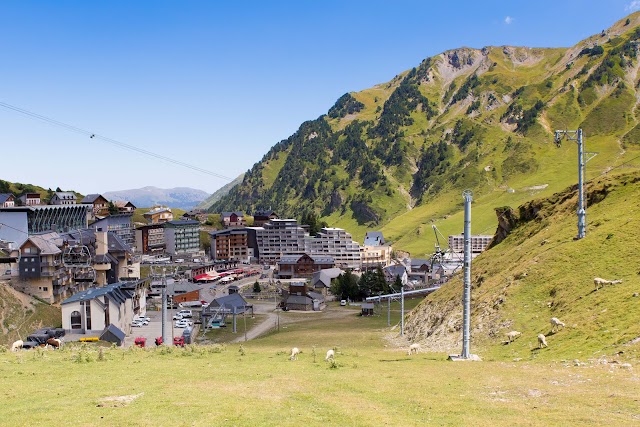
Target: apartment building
<point x="478" y="243"/>
<point x="120" y="224"/>
<point x="375" y="251"/>
<point x="150" y="239"/>
<point x="232" y="244"/>
<point x="279" y="237"/>
<point x="338" y="244"/>
<point x="182" y="236"/>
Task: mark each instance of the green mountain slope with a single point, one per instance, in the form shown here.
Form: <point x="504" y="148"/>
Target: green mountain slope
<point x="397" y="156"/>
<point x="539" y="271"/>
<point x="222" y="191"/>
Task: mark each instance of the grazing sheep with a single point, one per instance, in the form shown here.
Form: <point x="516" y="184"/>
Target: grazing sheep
<point x="511" y="336"/>
<point x="601" y="282"/>
<point x="542" y="341"/>
<point x="295" y="351"/>
<point x="556" y="324"/>
<point x="413" y="349"/>
<point x="17" y="345"/>
<point x="331" y="354"/>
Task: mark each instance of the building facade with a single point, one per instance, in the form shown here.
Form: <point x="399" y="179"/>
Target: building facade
<point x="158" y="215"/>
<point x="7" y="200"/>
<point x="232" y="244"/>
<point x="26" y="220"/>
<point x="279" y="237"/>
<point x="150" y="239"/>
<point x="120" y="224"/>
<point x="478" y="243"/>
<point x="63" y="198"/>
<point x="336" y="243"/>
<point x="182" y="237"/>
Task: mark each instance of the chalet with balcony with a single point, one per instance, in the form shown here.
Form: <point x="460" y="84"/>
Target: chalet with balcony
<point x="262" y="217"/>
<point x="158" y="215"/>
<point x="124" y="206"/>
<point x="233" y="219"/>
<point x="99" y="205"/>
<point x="291" y="266"/>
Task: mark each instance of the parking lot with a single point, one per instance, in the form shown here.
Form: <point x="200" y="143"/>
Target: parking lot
<point x="154" y="329"/>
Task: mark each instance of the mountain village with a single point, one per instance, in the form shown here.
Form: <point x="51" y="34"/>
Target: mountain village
<point x="72" y="252"/>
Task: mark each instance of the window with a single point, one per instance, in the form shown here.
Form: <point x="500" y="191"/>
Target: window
<point x="76" y="320"/>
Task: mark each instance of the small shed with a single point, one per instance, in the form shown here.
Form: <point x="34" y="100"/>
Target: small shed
<point x="112" y="334"/>
<point x="233" y="289"/>
<point x="367" y="309"/>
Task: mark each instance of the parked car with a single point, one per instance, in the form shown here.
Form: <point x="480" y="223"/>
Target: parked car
<point x="343" y="302"/>
<point x="137" y="324"/>
<point x="185" y="313"/>
<point x="144" y="319"/>
<point x="177" y="316"/>
<point x="182" y="323"/>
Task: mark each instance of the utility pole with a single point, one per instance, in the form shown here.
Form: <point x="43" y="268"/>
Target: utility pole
<point x="576" y="135"/>
<point x="164" y="306"/>
<point x="402" y="310"/>
<point x="389" y="311"/>
<point x="466" y="299"/>
<point x="466" y="295"/>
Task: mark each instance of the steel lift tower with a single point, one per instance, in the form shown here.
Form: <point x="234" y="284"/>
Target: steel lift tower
<point x="583" y="158"/>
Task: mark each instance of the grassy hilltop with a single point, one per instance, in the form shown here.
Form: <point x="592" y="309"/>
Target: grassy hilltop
<point x="396" y="156"/>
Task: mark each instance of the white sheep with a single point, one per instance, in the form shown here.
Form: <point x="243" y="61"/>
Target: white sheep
<point x="17" y="345"/>
<point x="413" y="349"/>
<point x="542" y="341"/>
<point x="295" y="351"/>
<point x="331" y="354"/>
<point x="511" y="336"/>
<point x="599" y="282"/>
<point x="556" y="324"/>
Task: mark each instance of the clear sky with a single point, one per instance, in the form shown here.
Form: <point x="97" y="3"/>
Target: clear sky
<point x="216" y="84"/>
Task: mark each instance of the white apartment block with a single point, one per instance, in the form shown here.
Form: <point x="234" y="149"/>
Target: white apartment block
<point x="337" y="243"/>
<point x="478" y="243"/>
<point x="279" y="237"/>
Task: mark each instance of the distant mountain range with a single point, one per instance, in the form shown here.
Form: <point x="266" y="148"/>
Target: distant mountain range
<point x="179" y="197"/>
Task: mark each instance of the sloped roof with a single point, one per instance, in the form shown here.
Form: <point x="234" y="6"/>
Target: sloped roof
<point x="47" y="243"/>
<point x="114" y="291"/>
<point x="419" y="262"/>
<point x="230" y="302"/>
<point x="123" y="204"/>
<point x="299" y="299"/>
<point x="112" y="334"/>
<point x="373" y="238"/>
<point x="238" y="213"/>
<point x="91" y="198"/>
<point x="315" y="295"/>
<point x="395" y="270"/>
<point x="65" y="195"/>
<point x="5" y="196"/>
<point x="264" y="214"/>
<point x="324" y="276"/>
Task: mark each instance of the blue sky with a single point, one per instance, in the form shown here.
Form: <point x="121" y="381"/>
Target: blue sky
<point x="216" y="84"/>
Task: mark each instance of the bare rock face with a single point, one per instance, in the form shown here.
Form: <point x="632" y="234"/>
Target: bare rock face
<point x="507" y="220"/>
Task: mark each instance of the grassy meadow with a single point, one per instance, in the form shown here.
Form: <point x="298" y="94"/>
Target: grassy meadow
<point x="373" y="382"/>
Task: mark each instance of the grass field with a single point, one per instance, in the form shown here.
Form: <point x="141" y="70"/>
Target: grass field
<point x="373" y="382"/>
